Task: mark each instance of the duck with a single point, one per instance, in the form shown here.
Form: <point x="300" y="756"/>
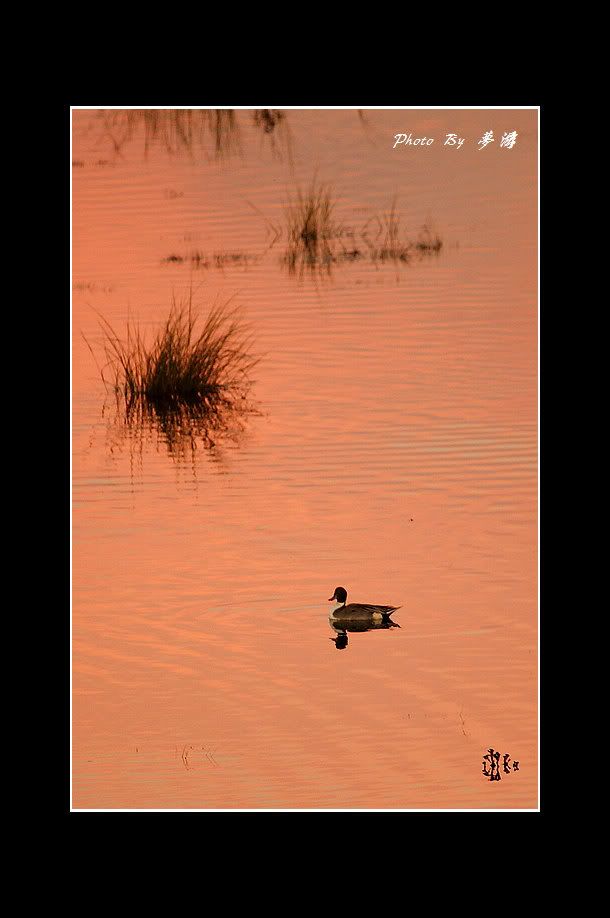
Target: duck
<point x="357" y="611"/>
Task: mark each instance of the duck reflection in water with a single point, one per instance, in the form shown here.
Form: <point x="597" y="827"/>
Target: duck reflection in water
<point x="341" y="640"/>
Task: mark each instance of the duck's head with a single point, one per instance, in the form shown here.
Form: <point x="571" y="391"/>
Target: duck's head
<point x="340" y="595"/>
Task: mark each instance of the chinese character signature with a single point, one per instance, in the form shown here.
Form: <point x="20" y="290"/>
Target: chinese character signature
<point x="491" y="765"/>
<point x="508" y="140"/>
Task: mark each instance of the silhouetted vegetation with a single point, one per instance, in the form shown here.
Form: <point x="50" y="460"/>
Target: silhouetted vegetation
<point x="190" y="384"/>
<point x="180" y="366"/>
<point x="178" y="130"/>
<point x="268" y="119"/>
<point x="316" y="241"/>
<point x="389" y="244"/>
<point x="311" y="229"/>
<point x="274" y="126"/>
<point x="190" y="130"/>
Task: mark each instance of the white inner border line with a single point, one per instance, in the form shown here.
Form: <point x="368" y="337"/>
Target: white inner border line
<point x="397" y="108"/>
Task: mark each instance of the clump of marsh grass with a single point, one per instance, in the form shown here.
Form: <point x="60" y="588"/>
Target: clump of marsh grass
<point x="311" y="228"/>
<point x="190" y="383"/>
<point x="310" y="216"/>
<point x="182" y="366"/>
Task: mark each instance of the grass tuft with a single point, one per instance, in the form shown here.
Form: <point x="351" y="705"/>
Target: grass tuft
<point x="182" y="367"/>
<point x="311" y="228"/>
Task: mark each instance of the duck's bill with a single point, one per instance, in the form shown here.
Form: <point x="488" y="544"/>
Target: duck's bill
<point x="331" y="598"/>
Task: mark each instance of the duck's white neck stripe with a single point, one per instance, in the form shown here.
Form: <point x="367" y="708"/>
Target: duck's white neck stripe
<point x="337" y="605"/>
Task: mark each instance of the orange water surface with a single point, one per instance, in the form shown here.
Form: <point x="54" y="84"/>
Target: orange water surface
<point x="393" y="450"/>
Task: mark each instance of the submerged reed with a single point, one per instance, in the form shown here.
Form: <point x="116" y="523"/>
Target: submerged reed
<point x="317" y="242"/>
<point x="389" y="243"/>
